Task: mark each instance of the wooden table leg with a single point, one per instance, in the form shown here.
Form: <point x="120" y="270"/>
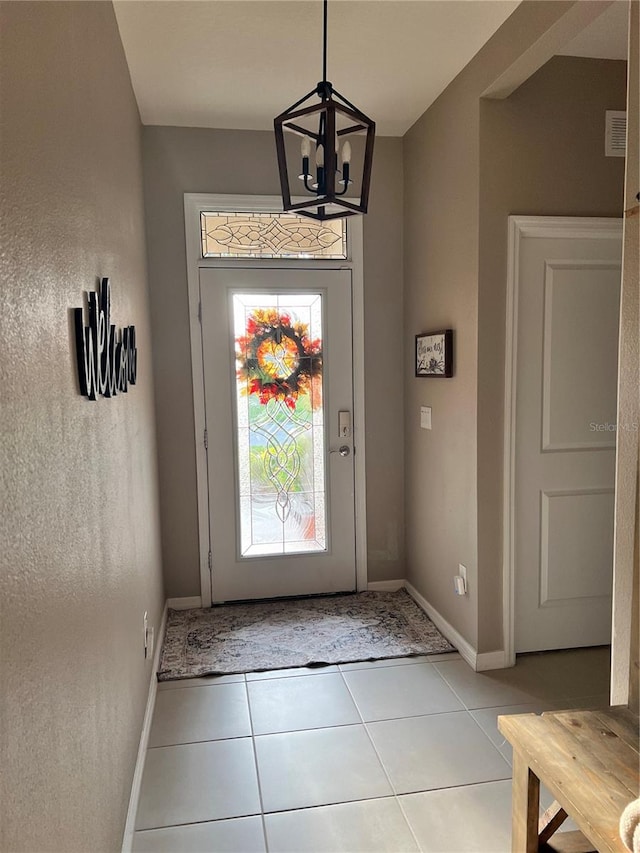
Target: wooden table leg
<point x="551" y="820"/>
<point x="525" y="807"/>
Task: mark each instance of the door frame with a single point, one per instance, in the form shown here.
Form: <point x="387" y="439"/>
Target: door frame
<point x="194" y="203"/>
<point x="519" y="227"/>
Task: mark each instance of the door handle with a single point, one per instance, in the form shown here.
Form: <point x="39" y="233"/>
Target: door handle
<point x="343" y="451"/>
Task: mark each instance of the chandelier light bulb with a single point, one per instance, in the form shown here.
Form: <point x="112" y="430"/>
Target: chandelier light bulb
<point x="320" y="156"/>
<point x="305" y="146"/>
<point x="346" y="152"/>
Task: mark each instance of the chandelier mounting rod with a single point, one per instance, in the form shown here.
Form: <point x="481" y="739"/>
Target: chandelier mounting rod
<point x="324" y="47"/>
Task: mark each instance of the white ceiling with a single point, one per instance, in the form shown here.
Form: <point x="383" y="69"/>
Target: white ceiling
<point x="606" y="37"/>
<point x="238" y="63"/>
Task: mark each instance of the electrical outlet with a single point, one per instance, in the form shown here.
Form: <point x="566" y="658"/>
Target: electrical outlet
<point x="460" y="580"/>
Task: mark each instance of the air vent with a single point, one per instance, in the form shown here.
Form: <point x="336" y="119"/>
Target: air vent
<point x="615" y="133"/>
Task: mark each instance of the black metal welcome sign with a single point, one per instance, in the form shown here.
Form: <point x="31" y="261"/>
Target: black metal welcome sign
<point x="107" y="359"/>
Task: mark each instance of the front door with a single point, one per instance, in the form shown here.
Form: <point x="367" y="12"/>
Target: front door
<point x="277" y="358"/>
<point x="567" y="347"/>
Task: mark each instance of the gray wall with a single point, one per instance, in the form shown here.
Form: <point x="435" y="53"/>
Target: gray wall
<point x="440" y="238"/>
<point x="179" y="160"/>
<point x="79" y="525"/>
<point x="468" y="164"/>
<point x="541" y="153"/>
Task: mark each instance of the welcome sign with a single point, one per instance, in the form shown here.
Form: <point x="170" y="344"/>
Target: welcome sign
<point x="107" y="359"/>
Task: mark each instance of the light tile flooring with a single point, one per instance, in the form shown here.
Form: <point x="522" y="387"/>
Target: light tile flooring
<point x="397" y="755"/>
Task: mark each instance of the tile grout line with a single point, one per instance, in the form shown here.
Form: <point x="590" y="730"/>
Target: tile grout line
<point x="205" y="740"/>
<point x="508" y="763"/>
<point x="193" y="742"/>
<point x="264" y="676"/>
<point x="531" y="699"/>
<point x="470" y="713"/>
<point x="197" y="822"/>
<point x="215" y="681"/>
<point x="216" y="740"/>
<point x="561" y="700"/>
<point x="384" y="769"/>
<point x="391" y="796"/>
<point x="381" y="663"/>
<point x="453" y="690"/>
<point x="464" y="709"/>
<point x="255" y="761"/>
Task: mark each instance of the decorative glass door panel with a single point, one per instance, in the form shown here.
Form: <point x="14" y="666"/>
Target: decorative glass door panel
<point x="278" y="385"/>
<point x="280" y="423"/>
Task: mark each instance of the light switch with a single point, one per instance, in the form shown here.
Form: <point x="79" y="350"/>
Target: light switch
<point x="425" y="417"/>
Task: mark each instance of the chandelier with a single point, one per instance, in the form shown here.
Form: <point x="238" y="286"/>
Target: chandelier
<point x="327" y="147"/>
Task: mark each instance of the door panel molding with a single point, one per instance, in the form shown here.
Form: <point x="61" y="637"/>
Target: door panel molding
<point x="547" y="597"/>
<point x="194" y="203"/>
<point x="552" y="284"/>
<point x="520" y="227"/>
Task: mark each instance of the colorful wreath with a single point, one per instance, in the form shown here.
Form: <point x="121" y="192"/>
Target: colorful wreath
<point x="277" y="359"/>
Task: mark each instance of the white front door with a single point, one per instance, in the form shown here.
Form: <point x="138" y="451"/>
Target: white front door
<point x="566" y="382"/>
<point x="278" y="381"/>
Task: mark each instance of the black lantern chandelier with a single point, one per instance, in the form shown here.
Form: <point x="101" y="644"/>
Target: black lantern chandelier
<point x="328" y="148"/>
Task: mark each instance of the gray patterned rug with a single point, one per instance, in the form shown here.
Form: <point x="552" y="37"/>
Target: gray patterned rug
<point x="291" y="633"/>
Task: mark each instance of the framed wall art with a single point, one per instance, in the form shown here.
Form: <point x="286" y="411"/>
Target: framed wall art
<point x="434" y="354"/>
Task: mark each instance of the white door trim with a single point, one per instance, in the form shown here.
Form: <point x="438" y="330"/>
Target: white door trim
<point x="519" y="227"/>
<point x="193" y="204"/>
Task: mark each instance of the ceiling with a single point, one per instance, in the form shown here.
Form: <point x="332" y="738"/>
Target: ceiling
<point x="606" y="37"/>
<point x="238" y="63"/>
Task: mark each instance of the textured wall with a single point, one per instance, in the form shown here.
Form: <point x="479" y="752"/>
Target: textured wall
<point x="79" y="529"/>
<point x="541" y="154"/>
<point x="179" y="160"/>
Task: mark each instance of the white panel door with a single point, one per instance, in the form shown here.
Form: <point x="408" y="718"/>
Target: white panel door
<point x="277" y="356"/>
<point x="566" y="381"/>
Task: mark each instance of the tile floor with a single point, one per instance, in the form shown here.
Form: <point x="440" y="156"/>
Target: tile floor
<point x="397" y="755"/>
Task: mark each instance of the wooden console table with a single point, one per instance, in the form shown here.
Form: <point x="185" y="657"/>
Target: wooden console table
<point x="589" y="762"/>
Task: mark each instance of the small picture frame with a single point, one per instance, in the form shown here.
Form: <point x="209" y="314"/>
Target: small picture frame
<point x="434" y="354"/>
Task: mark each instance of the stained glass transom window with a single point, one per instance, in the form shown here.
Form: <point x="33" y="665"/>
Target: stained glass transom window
<point x="271" y="235"/>
<point x="280" y="423"/>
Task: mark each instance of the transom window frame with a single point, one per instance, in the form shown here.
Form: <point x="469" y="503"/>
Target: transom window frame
<point x="194" y="205"/>
<point x="279" y="224"/>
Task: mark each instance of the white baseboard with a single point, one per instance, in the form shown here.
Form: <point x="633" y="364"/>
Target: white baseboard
<point x="129" y="827"/>
<point x="478" y="661"/>
<point x="455" y="638"/>
<point x="492" y="660"/>
<point x="386" y="586"/>
<point x="188" y="603"/>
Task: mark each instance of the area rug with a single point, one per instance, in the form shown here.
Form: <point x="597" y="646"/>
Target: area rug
<point x="291" y="633"/>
